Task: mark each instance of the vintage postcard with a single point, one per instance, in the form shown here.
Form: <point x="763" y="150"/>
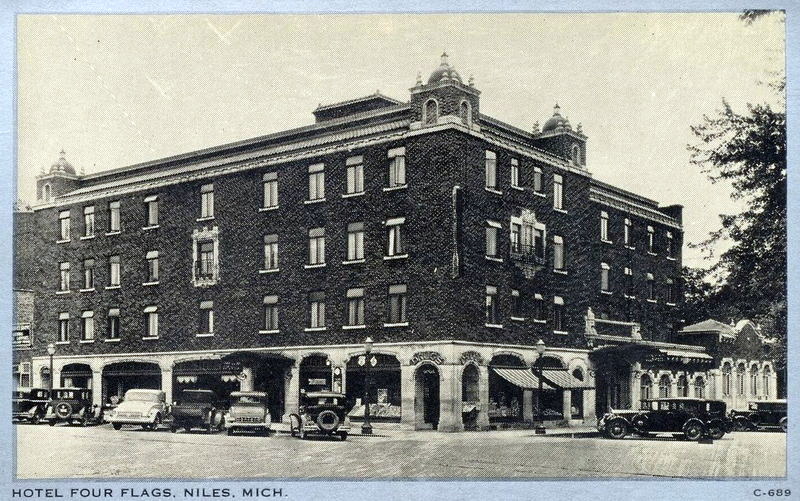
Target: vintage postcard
<point x="257" y="248"/>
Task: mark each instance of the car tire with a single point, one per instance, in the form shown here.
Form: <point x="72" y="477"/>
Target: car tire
<point x="639" y="423"/>
<point x="52" y="422"/>
<point x="230" y="432"/>
<point x="156" y="421"/>
<point x="117" y="426"/>
<point x="617" y="429"/>
<point x="35" y="419"/>
<point x="173" y="429"/>
<point x="716" y="431"/>
<point x="693" y="431"/>
<point x="784" y="424"/>
<point x="343" y="435"/>
<point x="742" y="424"/>
<point x="328" y="421"/>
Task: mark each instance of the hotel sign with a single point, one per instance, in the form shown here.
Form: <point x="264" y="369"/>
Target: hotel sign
<point x="21" y="338"/>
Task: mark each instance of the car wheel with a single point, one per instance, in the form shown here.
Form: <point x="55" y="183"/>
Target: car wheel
<point x="343" y="435"/>
<point x="117" y="426"/>
<point x="639" y="423"/>
<point x="35" y="419"/>
<point x="693" y="431"/>
<point x="52" y="422"/>
<point x="741" y="424"/>
<point x="715" y="431"/>
<point x="784" y="422"/>
<point x="230" y="431"/>
<point x="617" y="429"/>
<point x="173" y="429"/>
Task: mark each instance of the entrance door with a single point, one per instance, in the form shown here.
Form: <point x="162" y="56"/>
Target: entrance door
<point x="430" y="395"/>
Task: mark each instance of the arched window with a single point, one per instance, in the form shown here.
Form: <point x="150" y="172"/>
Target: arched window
<point x="646" y="387"/>
<point x="578" y="374"/>
<point x="740" y="370"/>
<point x="765" y="376"/>
<point x="576" y="154"/>
<point x="726" y="379"/>
<point x="699" y="387"/>
<point x="46" y="193"/>
<point x="683" y="386"/>
<point x="664" y="386"/>
<point x="431" y="112"/>
<point x="754" y="380"/>
<point x="465" y="113"/>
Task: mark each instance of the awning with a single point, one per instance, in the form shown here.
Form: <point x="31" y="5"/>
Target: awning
<point x="524" y="378"/>
<point x="692" y="355"/>
<point x="563" y="379"/>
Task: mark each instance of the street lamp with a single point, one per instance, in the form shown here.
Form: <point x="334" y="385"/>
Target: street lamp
<point x="51" y="350"/>
<point x="540" y="349"/>
<point x="366" y="428"/>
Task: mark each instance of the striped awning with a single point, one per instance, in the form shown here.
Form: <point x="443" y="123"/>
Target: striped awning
<point x="563" y="379"/>
<point x="524" y="378"/>
<point x="690" y="355"/>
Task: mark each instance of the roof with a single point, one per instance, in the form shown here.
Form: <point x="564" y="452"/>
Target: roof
<point x="377" y="96"/>
<point x="444" y="72"/>
<point x="709" y="325"/>
<point x="146" y="390"/>
<point x="683" y="399"/>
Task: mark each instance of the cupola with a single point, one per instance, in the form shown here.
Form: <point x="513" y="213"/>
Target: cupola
<point x="60" y="179"/>
<point x="558" y="137"/>
<point x="444" y="99"/>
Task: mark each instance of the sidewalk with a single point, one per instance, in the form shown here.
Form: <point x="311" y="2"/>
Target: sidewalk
<point x="385" y="430"/>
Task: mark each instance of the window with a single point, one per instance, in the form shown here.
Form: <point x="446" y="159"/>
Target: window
<point x="558" y="314"/>
<point x="206" y="317"/>
<point x="64" y="282"/>
<point x="537" y="179"/>
<point x="514" y="172"/>
<point x="355" y="306"/>
<point x="576" y="154"/>
<point x="669" y="245"/>
<point x="316" y="310"/>
<point x="113" y="217"/>
<point x="430" y="112"/>
<point x="355" y="241"/>
<point x="465" y="113"/>
<point x="516" y="304"/>
<point x="397" y="304"/>
<point x="395" y="244"/>
<point x="63" y="223"/>
<point x="664" y="386"/>
<point x="63" y="327"/>
<point x="651" y="290"/>
<point x="270" y="188"/>
<point x="645" y="387"/>
<point x="271" y="313"/>
<point x="88" y="273"/>
<point x="753" y="381"/>
<point x="765" y="377"/>
<point x="491" y="305"/>
<point x="538" y="242"/>
<point x="397" y="167"/>
<point x="604" y="226"/>
<point x="25" y="375"/>
<point x="47" y="193"/>
<point x="726" y="379"/>
<point x="558" y="253"/>
<point x="558" y="192"/>
<point x="355" y="174"/>
<point x="683" y="387"/>
<point x="699" y="387"/>
<point x="629" y="283"/>
<point x="113" y="323"/>
<point x="152" y="266"/>
<point x="88" y="221"/>
<point x="740" y="370"/>
<point x="627" y="236"/>
<point x="207" y="201"/>
<point x="538" y="308"/>
<point x="650" y="236"/>
<point x="151" y="210"/>
<point x="491" y="169"/>
<point x="516" y="245"/>
<point x="491" y="238"/>
<point x="316" y="182"/>
<point x="87" y="326"/>
<point x="316" y="246"/>
<point x="604" y="285"/>
<point x="271" y="252"/>
<point x="205" y="262"/>
<point x="670" y="291"/>
<point x="151" y="322"/>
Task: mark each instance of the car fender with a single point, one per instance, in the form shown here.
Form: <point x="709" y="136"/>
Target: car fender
<point x="640" y="422"/>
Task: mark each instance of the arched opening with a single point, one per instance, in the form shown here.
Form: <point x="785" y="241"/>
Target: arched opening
<point x="664" y="386"/>
<point x="44" y="377"/>
<point x="426" y="401"/>
<point x="740" y="370"/>
<point x="46" y="194"/>
<point x="430" y="112"/>
<point x="122" y="376"/>
<point x="576" y="409"/>
<point x="576" y="154"/>
<point x="505" y="398"/>
<point x="726" y="379"/>
<point x="646" y="387"/>
<point x="315" y="373"/>
<point x="766" y="374"/>
<point x="384" y="387"/>
<point x="210" y="374"/>
<point x="76" y="376"/>
<point x="753" y="380"/>
<point x="470" y="396"/>
<point x="699" y="387"/>
<point x="683" y="386"/>
<point x="263" y="371"/>
<point x="552" y="397"/>
<point x="465" y="113"/>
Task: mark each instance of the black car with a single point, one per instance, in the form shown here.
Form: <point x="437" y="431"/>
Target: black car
<point x="762" y="415"/>
<point x="321" y="413"/>
<point x="694" y="418"/>
<point x="29" y="405"/>
<point x="197" y="409"/>
<point x="73" y="406"/>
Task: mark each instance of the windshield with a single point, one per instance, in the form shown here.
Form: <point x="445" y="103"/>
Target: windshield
<point x="140" y="396"/>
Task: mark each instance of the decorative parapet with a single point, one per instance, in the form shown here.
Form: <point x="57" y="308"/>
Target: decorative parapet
<point x="426" y="356"/>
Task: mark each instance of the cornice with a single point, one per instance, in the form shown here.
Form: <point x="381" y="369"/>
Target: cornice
<point x="605" y="198"/>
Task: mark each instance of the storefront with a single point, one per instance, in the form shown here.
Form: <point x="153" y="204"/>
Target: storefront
<point x="385" y="394"/>
<point x="123" y="376"/>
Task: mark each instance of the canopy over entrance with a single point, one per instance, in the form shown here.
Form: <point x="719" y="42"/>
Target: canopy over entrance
<point x="561" y="378"/>
<point x="650" y="355"/>
<point x="523" y="378"/>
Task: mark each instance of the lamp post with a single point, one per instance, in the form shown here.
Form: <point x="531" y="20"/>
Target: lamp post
<point x="51" y="350"/>
<point x="540" y="349"/>
<point x="366" y="428"/>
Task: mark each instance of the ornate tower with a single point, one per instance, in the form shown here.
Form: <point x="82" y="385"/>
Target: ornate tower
<point x="59" y="180"/>
<point x="444" y="99"/>
<point x="558" y="137"/>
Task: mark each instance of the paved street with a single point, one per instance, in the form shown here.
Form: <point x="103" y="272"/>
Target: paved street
<point x="102" y="452"/>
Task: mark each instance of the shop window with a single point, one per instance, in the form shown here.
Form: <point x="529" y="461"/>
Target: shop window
<point x="397" y="167"/>
<point x="355" y="306"/>
<point x="355" y="174"/>
<point x="269" y="184"/>
<point x="316" y="182"/>
<point x="64" y="225"/>
<point x="355" y="241"/>
<point x="397" y="304"/>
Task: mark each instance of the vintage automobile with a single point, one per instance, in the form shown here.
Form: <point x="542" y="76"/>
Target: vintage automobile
<point x="73" y="406"/>
<point x="29" y="405"/>
<point x="694" y="418"/>
<point x="761" y="415"/>
<point x="249" y="410"/>
<point x="197" y="409"/>
<point x="321" y="413"/>
<point x="146" y="408"/>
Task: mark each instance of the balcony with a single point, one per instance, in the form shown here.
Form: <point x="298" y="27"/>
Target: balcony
<point x="206" y="272"/>
<point x="529" y="258"/>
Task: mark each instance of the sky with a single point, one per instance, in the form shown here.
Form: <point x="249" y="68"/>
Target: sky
<point x="118" y="90"/>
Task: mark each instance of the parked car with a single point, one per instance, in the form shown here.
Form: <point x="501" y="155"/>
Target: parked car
<point x="146" y="408"/>
<point x="321" y="413"/>
<point x="197" y="409"/>
<point x="73" y="406"/>
<point x="249" y="410"/>
<point x="694" y="418"/>
<point x="29" y="405"/>
<point x="762" y="414"/>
